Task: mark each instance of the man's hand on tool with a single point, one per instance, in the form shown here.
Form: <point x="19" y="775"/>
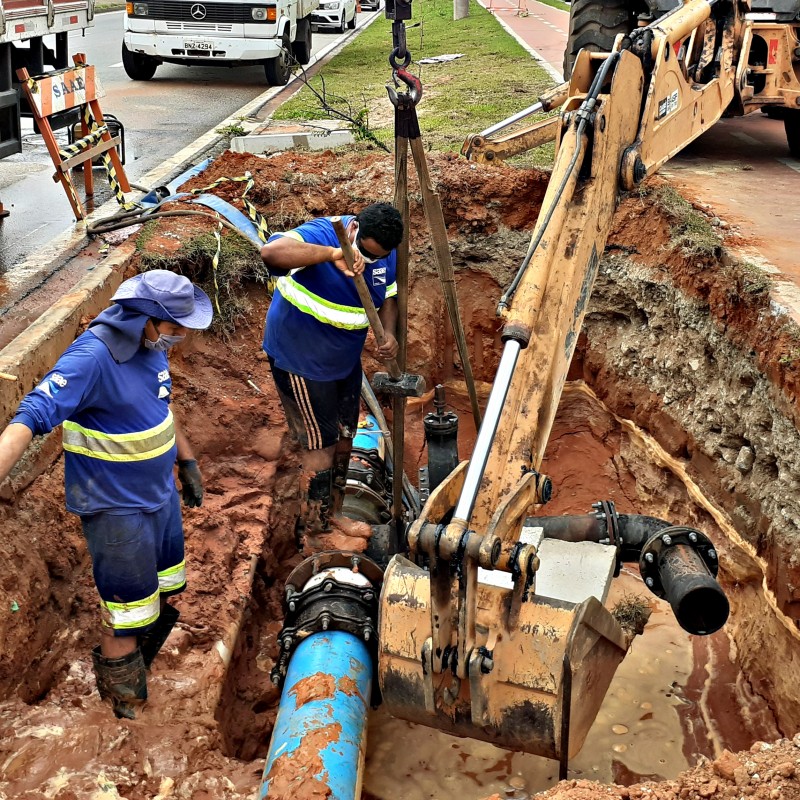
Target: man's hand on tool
<point x="337" y="257"/>
<point x="389" y="347"/>
<point x="191" y="483"/>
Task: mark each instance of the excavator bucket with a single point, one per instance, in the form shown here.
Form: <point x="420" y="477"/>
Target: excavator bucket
<point x="538" y="690"/>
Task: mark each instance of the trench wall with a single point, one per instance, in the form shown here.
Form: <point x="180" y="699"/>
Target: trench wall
<point x="665" y="361"/>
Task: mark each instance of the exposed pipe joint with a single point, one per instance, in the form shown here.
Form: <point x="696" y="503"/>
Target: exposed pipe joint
<point x="678" y="564"/>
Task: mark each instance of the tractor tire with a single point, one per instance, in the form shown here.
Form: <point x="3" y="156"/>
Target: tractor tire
<point x="593" y="25"/>
<point x="792" y="124"/>
<point x="277" y="70"/>
<point x="138" y="67"/>
<point x="301" y="46"/>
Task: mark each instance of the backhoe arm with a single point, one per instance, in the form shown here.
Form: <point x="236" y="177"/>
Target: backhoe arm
<point x="503" y="664"/>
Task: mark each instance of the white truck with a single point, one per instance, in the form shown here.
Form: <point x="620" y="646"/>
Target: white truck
<point x="23" y="26"/>
<point x="274" y="33"/>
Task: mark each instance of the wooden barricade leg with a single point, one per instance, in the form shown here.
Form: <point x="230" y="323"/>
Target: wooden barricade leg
<point x="52" y="147"/>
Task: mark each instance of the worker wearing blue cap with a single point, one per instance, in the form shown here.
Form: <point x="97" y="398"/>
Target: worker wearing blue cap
<point x="111" y="389"/>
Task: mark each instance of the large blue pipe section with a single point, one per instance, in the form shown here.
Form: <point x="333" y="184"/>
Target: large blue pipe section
<point x="340" y="710"/>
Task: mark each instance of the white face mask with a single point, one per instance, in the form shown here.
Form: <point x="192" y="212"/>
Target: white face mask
<point x="356" y="240"/>
<point x="163" y="343"/>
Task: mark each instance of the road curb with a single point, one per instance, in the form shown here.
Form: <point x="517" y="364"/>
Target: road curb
<point x="31" y="354"/>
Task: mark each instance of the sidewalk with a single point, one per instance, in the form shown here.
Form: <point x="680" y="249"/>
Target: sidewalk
<point x="542" y="30"/>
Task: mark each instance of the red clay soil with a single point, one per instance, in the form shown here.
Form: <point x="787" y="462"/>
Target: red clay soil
<point x="300" y="774"/>
<point x="205" y="729"/>
<point x="319" y="686"/>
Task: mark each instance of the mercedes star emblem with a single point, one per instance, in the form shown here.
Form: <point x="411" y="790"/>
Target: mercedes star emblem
<point x="198" y="11"/>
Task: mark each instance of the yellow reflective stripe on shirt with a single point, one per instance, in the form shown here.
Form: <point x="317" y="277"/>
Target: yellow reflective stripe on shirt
<point x="136" y="614"/>
<point x="347" y="317"/>
<point x="391" y="290"/>
<point x="138" y="446"/>
<point x="173" y="578"/>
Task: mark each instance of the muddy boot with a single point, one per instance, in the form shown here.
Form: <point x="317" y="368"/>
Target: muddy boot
<point x="316" y="515"/>
<point x="153" y="640"/>
<point x="341" y="466"/>
<point x="123" y="680"/>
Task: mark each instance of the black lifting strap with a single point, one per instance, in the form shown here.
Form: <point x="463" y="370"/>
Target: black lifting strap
<point x="407" y="131"/>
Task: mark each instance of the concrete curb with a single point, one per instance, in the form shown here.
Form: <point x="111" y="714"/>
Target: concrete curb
<point x="37" y="348"/>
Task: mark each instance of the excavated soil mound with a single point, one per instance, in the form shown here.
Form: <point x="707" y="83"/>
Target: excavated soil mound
<point x="656" y="311"/>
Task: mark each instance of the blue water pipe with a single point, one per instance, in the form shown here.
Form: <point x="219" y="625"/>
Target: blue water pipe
<point x="330" y="722"/>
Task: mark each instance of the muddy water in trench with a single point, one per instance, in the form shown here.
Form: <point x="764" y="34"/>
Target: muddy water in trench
<point x="674" y="697"/>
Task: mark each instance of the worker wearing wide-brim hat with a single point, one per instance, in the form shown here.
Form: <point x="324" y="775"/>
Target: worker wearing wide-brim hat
<point x="112" y="389"/>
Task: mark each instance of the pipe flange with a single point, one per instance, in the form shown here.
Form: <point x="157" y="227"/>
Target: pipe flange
<point x="664" y="540"/>
<point x="332" y="591"/>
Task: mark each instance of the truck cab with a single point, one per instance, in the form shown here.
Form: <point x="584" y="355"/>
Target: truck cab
<point x="275" y="34"/>
<point x="23" y="24"/>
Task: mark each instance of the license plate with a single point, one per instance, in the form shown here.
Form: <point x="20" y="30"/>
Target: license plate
<point x="198" y="46"/>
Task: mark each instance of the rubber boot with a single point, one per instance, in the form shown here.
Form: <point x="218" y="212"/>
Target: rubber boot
<point x="341" y="466"/>
<point x="122" y="680"/>
<point x="317" y="502"/>
<point x="153" y="639"/>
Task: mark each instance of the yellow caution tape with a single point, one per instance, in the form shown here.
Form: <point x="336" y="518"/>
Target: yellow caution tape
<point x="262" y="226"/>
<point x="111" y="172"/>
<point x="83" y="144"/>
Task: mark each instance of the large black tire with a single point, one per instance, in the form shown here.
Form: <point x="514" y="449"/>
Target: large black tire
<point x="594" y="24"/>
<point x="301" y="46"/>
<point x="352" y="23"/>
<point x="277" y="70"/>
<point x="792" y="124"/>
<point x="138" y="67"/>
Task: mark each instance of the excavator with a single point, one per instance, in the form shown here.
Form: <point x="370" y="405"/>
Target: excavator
<point x="486" y="623"/>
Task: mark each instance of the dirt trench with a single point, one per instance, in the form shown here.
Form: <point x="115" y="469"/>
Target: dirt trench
<point x="680" y="344"/>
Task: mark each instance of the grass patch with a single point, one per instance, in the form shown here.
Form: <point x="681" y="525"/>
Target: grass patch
<point x="239" y="266"/>
<point x="495" y="78"/>
<point x="555" y="4"/>
<point x="754" y="280"/>
<point x="692" y="232"/>
<point x="234" y="129"/>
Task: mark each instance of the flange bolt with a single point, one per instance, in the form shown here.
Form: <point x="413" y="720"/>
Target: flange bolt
<point x="667" y="539"/>
<point x="649" y="558"/>
<point x="650" y="582"/>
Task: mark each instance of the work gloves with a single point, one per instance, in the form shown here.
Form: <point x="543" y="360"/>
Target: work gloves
<point x="191" y="482"/>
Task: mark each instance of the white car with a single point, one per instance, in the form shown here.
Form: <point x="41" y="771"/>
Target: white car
<point x="337" y="14"/>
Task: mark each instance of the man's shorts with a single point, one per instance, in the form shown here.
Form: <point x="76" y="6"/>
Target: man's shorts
<point x="316" y="410"/>
<point x="137" y="558"/>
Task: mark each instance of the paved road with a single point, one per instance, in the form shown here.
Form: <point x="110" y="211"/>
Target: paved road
<point x="160" y="117"/>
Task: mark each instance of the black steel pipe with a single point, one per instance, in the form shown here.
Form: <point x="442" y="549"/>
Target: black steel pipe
<point x="678" y="564"/>
<point x="697" y="600"/>
<point x="634" y="530"/>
